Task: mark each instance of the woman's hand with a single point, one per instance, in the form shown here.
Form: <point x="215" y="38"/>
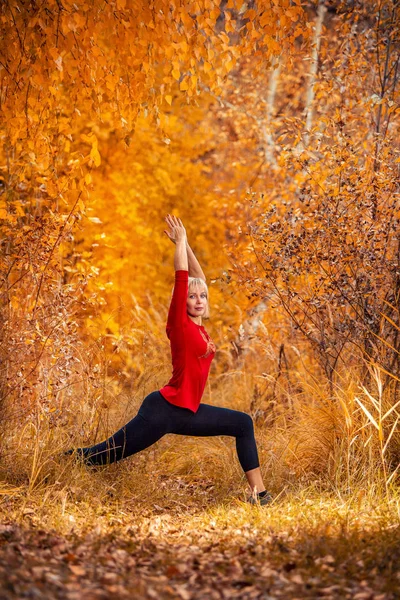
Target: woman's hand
<point x="177" y="232"/>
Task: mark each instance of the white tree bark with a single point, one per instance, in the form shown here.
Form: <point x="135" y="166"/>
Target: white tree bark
<point x="268" y="137"/>
<point x="308" y="109"/>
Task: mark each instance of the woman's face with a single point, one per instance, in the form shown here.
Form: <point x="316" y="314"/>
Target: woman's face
<point x="196" y="301"/>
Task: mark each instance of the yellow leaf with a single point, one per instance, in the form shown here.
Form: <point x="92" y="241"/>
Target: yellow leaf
<point x="176" y="74"/>
<point x="54" y="53"/>
<point x="207" y="66"/>
<point x="184" y="85"/>
<point x="19" y="210"/>
<point x="228" y="66"/>
<point x="95" y="154"/>
<point x="214" y="14"/>
<point x="224" y="37"/>
<point x="186" y="20"/>
<point x="250" y="14"/>
<point x="168" y="99"/>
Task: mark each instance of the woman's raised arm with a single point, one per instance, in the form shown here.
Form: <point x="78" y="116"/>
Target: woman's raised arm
<point x="194" y="267"/>
<point x="180" y="257"/>
<point x="178" y="233"/>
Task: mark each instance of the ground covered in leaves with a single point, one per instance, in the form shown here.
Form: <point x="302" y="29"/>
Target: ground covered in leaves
<point x="300" y="547"/>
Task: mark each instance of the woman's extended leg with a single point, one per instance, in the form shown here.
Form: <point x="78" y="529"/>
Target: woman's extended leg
<point x="133" y="437"/>
<point x="214" y="420"/>
<point x="146" y="428"/>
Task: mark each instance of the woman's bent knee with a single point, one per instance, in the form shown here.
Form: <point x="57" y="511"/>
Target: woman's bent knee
<point x="247" y="424"/>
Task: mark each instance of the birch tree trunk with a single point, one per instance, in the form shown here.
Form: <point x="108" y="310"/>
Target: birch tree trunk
<point x="308" y="109"/>
<point x="268" y="136"/>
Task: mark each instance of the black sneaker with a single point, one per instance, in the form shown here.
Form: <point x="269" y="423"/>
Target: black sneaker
<point x="260" y="500"/>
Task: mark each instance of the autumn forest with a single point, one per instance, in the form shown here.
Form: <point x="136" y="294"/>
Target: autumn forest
<point x="271" y="129"/>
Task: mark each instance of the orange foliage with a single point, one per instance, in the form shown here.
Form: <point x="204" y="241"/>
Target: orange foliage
<point x="313" y="215"/>
<point x="75" y="77"/>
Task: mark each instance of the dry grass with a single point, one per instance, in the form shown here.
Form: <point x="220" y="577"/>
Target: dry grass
<point x="171" y="521"/>
<point x="322" y="456"/>
<point x="329" y="462"/>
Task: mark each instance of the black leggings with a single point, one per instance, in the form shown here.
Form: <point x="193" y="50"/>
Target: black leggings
<point x="157" y="417"/>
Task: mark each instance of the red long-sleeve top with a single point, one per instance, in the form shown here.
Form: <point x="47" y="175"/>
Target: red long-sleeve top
<point x="192" y="350"/>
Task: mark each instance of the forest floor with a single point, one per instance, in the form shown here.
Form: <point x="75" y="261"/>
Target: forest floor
<point x="188" y="544"/>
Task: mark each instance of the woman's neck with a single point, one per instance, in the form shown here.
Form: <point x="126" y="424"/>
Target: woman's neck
<point x="196" y="320"/>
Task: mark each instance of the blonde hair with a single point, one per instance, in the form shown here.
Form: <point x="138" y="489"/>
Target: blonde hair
<point x="198" y="282"/>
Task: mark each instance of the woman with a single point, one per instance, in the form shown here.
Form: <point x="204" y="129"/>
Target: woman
<point x="176" y="408"/>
